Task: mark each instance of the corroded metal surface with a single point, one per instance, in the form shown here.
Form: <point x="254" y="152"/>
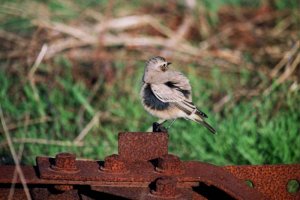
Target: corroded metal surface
<point x="65" y="163"/>
<point x="142" y="146"/>
<point x="143" y="169"/>
<point x="270" y="180"/>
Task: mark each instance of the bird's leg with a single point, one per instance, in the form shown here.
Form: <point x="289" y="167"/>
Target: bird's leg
<point x="157" y="126"/>
<point x="162" y="121"/>
<point x="171" y="124"/>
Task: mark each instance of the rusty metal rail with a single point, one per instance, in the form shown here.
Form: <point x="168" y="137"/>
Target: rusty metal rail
<point x="143" y="169"/>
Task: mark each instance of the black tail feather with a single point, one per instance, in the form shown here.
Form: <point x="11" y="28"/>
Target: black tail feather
<point x="201" y="114"/>
<point x="207" y="125"/>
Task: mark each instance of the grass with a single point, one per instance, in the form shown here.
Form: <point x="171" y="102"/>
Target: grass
<point x="251" y="132"/>
<point x="47" y="118"/>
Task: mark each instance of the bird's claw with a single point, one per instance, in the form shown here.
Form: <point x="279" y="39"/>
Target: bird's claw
<point x="157" y="127"/>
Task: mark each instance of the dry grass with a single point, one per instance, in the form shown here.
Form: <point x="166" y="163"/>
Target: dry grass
<point x="95" y="44"/>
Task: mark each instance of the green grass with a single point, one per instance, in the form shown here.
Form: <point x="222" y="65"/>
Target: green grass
<point x="261" y="130"/>
<point x="252" y="132"/>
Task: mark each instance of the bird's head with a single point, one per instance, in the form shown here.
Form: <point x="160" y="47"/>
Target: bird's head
<point x="158" y="64"/>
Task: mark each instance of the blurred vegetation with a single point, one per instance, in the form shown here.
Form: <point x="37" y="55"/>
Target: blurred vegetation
<point x="70" y="75"/>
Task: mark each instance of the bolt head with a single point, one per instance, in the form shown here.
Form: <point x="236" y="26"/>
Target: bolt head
<point x="114" y="164"/>
<point x="165" y="187"/>
<point x="65" y="162"/>
<point x="169" y="164"/>
<point x="63" y="188"/>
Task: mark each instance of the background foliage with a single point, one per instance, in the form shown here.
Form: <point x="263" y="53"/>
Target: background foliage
<point x="71" y="73"/>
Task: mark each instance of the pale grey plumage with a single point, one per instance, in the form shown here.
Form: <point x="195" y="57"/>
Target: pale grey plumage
<point x="167" y="94"/>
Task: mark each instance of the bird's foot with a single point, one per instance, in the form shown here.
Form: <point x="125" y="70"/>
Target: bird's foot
<point x="157" y="127"/>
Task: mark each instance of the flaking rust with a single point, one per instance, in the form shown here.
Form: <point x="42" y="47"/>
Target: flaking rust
<point x="144" y="169"/>
<point x="271" y="180"/>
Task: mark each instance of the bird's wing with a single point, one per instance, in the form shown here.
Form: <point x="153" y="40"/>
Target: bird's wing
<point x="168" y="94"/>
<point x="179" y="80"/>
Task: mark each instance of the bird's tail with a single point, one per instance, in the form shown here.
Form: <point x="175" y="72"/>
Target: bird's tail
<point x="197" y="117"/>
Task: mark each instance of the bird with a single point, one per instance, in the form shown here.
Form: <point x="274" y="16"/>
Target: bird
<point x="167" y="94"/>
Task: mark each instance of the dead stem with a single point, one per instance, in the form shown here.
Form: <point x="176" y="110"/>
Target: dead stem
<point x="20" y="153"/>
<point x="88" y="127"/>
<point x="14" y="155"/>
<point x="30" y="122"/>
<point x="33" y="70"/>
<point x="42" y="142"/>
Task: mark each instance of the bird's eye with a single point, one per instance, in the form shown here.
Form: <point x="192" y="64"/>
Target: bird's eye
<point x="164" y="67"/>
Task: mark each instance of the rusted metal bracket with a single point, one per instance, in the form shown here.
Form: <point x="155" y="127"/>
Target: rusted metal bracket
<point x="144" y="169"/>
